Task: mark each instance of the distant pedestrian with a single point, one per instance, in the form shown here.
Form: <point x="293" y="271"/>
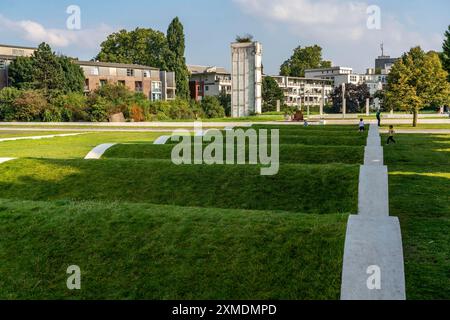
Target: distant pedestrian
<point x="391" y="135"/>
<point x="305" y="123"/>
<point x="379" y="118"/>
<point x="362" y="125"/>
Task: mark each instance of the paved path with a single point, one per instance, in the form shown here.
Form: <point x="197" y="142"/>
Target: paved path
<point x="40" y="137"/>
<point x="373" y="246"/>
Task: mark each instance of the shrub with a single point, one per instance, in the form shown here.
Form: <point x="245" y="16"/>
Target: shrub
<point x="7" y="98"/>
<point x="72" y="106"/>
<point x="212" y="108"/>
<point x="98" y="110"/>
<point x="29" y="106"/>
<point x="136" y="113"/>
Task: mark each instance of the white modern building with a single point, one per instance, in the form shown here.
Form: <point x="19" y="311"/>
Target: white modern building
<point x="246" y="76"/>
<point x="208" y="81"/>
<point x="305" y="91"/>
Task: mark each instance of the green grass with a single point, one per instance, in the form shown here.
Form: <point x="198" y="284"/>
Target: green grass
<point x="289" y="153"/>
<point x="17" y="134"/>
<point x="141" y="227"/>
<point x="69" y="147"/>
<point x="419" y="181"/>
<point x="299" y="188"/>
<point x="144" y="251"/>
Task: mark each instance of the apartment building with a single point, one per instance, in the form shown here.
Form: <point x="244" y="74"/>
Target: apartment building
<point x="153" y="83"/>
<point x="208" y="81"/>
<point x="305" y="91"/>
<point x="7" y="55"/>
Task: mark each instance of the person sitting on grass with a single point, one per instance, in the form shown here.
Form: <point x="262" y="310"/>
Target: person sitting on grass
<point x="306" y="124"/>
<point x="391" y="135"/>
<point x="362" y="125"/>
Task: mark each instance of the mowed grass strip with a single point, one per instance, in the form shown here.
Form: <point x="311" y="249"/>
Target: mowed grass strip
<point x="356" y="140"/>
<point x="419" y="182"/>
<point x="288" y="153"/>
<point x="69" y="147"/>
<point x="297" y="188"/>
<point x="144" y="251"/>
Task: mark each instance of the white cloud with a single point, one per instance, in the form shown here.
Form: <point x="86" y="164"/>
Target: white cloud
<point x="60" y="38"/>
<point x="341" y="27"/>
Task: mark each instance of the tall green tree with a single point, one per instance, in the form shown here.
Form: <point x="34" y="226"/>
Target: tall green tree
<point x="445" y="56"/>
<point x="48" y="73"/>
<point x="140" y="46"/>
<point x="302" y="59"/>
<point x="416" y="81"/>
<point x="45" y="70"/>
<point x="271" y="93"/>
<point x="177" y="61"/>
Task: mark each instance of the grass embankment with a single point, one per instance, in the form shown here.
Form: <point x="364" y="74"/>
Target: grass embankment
<point x="419" y="178"/>
<point x="289" y="153"/>
<point x="296" y="188"/>
<point x="145" y="251"/>
<point x="104" y="216"/>
<point x="18" y="134"/>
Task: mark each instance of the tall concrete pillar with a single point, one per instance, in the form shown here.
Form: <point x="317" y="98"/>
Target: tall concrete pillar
<point x="246" y="93"/>
<point x="322" y="103"/>
<point x="344" y="101"/>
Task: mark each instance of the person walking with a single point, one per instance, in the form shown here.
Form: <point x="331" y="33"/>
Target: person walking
<point x="379" y="118"/>
<point x="391" y="135"/>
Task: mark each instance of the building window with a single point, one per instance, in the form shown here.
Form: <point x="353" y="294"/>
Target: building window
<point x="156" y="96"/>
<point x="156" y="86"/>
<point x="146" y="74"/>
<point x="18" y="52"/>
<point x="130" y="72"/>
<point x="206" y="88"/>
<point x="103" y="82"/>
<point x="2" y="64"/>
<point x="86" y="85"/>
<point x="138" y="86"/>
<point x="95" y="71"/>
<point x="121" y="82"/>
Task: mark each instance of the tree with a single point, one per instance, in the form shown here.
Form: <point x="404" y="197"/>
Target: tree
<point x="416" y="81"/>
<point x="212" y="108"/>
<point x="302" y="59"/>
<point x="271" y="93"/>
<point x="47" y="71"/>
<point x="140" y="46"/>
<point x="245" y="38"/>
<point x="355" y="96"/>
<point x="20" y="73"/>
<point x="225" y="102"/>
<point x="445" y="56"/>
<point x="177" y="61"/>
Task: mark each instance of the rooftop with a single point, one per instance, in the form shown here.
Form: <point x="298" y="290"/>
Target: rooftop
<point x="113" y="65"/>
<point x="17" y="47"/>
<point x="194" y="69"/>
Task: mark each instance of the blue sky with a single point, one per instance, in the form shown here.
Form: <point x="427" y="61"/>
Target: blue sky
<point x="339" y="26"/>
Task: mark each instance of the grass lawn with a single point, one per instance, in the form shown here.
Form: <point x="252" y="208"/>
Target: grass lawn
<point x="69" y="147"/>
<point x="142" y="228"/>
<point x="419" y="178"/>
<point x="146" y="251"/>
<point x="17" y="134"/>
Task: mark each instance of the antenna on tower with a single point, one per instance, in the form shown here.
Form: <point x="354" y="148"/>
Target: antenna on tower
<point x="382" y="49"/>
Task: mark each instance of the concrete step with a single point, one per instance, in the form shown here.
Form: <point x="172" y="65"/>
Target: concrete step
<point x="373" y="247"/>
<point x="373" y="191"/>
<point x="373" y="141"/>
<point x="162" y="140"/>
<point x="374" y="156"/>
<point x="3" y="160"/>
<point x="98" y="151"/>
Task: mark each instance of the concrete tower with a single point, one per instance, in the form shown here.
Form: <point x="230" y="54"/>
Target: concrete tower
<point x="246" y="74"/>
